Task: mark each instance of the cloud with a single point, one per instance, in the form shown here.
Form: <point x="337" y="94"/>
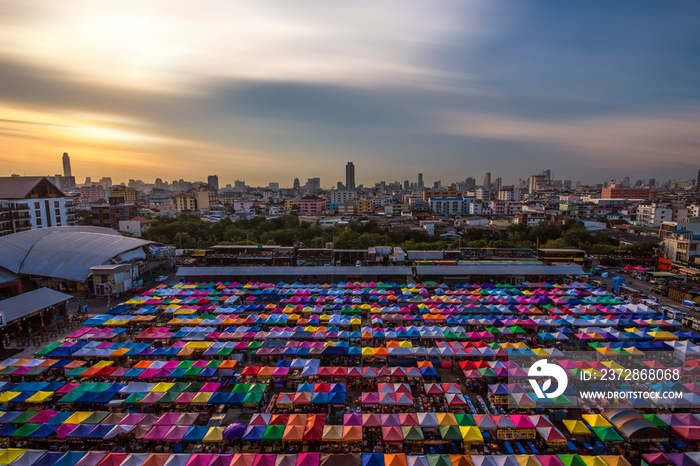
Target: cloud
<point x="635" y="143"/>
<point x="176" y="45"/>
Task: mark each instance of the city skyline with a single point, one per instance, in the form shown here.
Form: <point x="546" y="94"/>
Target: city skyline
<point x="450" y="90"/>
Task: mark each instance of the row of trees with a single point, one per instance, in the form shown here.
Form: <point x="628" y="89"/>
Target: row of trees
<point x="190" y="232"/>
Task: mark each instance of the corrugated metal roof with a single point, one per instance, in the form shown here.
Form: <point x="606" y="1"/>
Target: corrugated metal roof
<point x="7" y="276"/>
<point x="28" y="303"/>
<point x="63" y="252"/>
<point x="510" y="269"/>
<point x="291" y="271"/>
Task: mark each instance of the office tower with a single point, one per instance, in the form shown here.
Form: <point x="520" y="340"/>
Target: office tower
<point x="697" y="183"/>
<point x="420" y="181"/>
<point x="340" y="186"/>
<point x="350" y="176"/>
<point x="213" y="181"/>
<point x="652" y="181"/>
<point x="274" y="186"/>
<point x="313" y="183"/>
<point x="469" y="183"/>
<point x="106" y="181"/>
<point x="487" y="180"/>
<point x="66" y="165"/>
<point x="297" y="185"/>
<point x="548" y="174"/>
<point x="406" y="185"/>
<point x="159" y="183"/>
<point x="239" y="186"/>
<point x="499" y="182"/>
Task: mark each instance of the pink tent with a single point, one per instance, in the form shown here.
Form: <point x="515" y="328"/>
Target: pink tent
<point x="371" y="420"/>
<point x="369" y="398"/>
<point x="243" y="459"/>
<point x="200" y="459"/>
<point x="392" y="434"/>
<point x="265" y="459"/>
<point x="157" y="433"/>
<point x="175" y="433"/>
<point x="549" y="460"/>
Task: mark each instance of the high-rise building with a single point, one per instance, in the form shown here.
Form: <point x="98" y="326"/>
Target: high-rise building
<point x="499" y="182"/>
<point x="697" y="183"/>
<point x="420" y="181"/>
<point x="350" y="176"/>
<point x="66" y="165"/>
<point x="652" y="181"/>
<point x="213" y="181"/>
<point x="297" y="185"/>
<point x="487" y="180"/>
<point x="406" y="185"/>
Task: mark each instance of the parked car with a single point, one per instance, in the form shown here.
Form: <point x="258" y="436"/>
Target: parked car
<point x="161" y="278"/>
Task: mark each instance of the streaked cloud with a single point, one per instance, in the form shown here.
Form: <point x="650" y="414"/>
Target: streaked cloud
<point x="271" y="90"/>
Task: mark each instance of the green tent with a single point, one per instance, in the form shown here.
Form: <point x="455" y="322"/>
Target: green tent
<point x="186" y="364"/>
<point x="412" y="433"/>
<point x="450" y="433"/>
<point x="273" y="433"/>
<point x="134" y="398"/>
<point x="656" y="420"/>
<point x="571" y="460"/>
<point x="465" y="419"/>
<point x="607" y="434"/>
<point x="96" y="417"/>
<point x="24" y="417"/>
<point x="192" y="372"/>
<point x="440" y="460"/>
<point x="25" y="430"/>
<point x="168" y="397"/>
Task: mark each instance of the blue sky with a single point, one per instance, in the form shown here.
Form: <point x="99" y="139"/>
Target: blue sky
<point x="271" y="90"/>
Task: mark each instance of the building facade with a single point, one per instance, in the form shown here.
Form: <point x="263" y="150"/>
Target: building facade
<point x="46" y="204"/>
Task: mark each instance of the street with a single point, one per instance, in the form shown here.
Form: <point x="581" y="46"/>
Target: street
<point x="645" y="288"/>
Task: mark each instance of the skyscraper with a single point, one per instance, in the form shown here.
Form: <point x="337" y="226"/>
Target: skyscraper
<point x="350" y="176"/>
<point x="297" y="185"/>
<point x="213" y="181"/>
<point x="66" y="165"/>
<point x="420" y="181"/>
<point x="487" y="180"/>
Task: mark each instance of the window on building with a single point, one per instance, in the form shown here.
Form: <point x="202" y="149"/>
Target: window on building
<point x="55" y="203"/>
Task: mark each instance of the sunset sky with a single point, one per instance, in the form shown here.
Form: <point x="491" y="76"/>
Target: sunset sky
<point x="272" y="90"/>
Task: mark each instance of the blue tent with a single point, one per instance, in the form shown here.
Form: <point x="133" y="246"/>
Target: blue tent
<point x="373" y="459"/>
<point x="195" y="433"/>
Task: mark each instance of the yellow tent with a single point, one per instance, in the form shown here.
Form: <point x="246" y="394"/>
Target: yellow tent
<point x="78" y="417"/>
<point x="612" y="365"/>
<point x="162" y="387"/>
<point x="446" y="419"/>
<point x="39" y="397"/>
<point x="527" y="460"/>
<point x="576" y="427"/>
<point x="596" y="420"/>
<point x="214" y="435"/>
<point x="8" y="396"/>
<point x="471" y="434"/>
<point x="198" y="344"/>
<point x="366" y="351"/>
<point x="593" y="460"/>
<point x="612" y="460"/>
<point x="103" y="363"/>
<point x="202" y="397"/>
<point x="10" y="455"/>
